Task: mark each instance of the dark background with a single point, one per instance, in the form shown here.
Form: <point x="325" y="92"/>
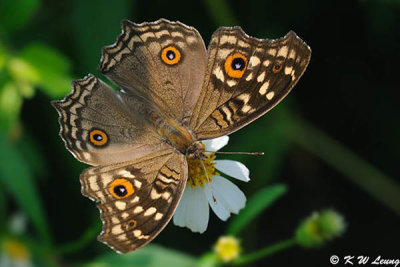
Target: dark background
<point x="349" y="93"/>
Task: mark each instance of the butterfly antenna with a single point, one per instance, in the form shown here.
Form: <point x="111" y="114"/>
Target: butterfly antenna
<point x="208" y="182"/>
<point x="239" y="153"/>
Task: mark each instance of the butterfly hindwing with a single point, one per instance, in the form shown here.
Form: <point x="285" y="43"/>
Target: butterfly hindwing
<point x="245" y="78"/>
<point x="163" y="62"/>
<point x="136" y="199"/>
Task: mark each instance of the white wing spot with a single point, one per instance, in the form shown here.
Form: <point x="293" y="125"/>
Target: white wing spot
<point x="264" y="88"/>
<point x="138" y="209"/>
<point x="116" y="230"/>
<point x="146" y="35"/>
<point x="122" y="238"/>
<point x="270" y="95"/>
<point x="177" y="34"/>
<point x="271" y="52"/>
<point x="166" y="195"/>
<point x="191" y="40"/>
<point x="249" y="77"/>
<point x="243" y="44"/>
<point x="244" y="97"/>
<point x="223" y="53"/>
<point x="219" y="74"/>
<point x="246" y="108"/>
<point x="137" y="183"/>
<point x="154" y="194"/>
<point x="150" y="211"/>
<point x="137" y="232"/>
<point x="283" y="51"/>
<point x="121" y="205"/>
<point x="135" y="199"/>
<point x="125" y="173"/>
<point x="288" y="70"/>
<point x="227" y="39"/>
<point x="93" y="185"/>
<point x="158" y="216"/>
<point x="292" y="54"/>
<point x="261" y="77"/>
<point x="231" y="83"/>
<point x="254" y="61"/>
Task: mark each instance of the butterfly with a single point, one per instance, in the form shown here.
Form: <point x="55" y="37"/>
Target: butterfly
<point x="173" y="94"/>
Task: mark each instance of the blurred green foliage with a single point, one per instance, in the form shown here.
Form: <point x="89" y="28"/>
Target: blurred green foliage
<point x="44" y="45"/>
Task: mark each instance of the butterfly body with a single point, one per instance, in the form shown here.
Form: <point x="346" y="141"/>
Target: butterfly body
<point x="179" y="137"/>
<point x="173" y="94"/>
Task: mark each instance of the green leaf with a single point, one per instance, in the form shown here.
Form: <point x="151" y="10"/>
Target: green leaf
<point x="16" y="178"/>
<point x="48" y="69"/>
<point x="255" y="205"/>
<point x="24" y="75"/>
<point x="15" y="14"/>
<point x="209" y="259"/>
<point x="150" y="256"/>
<point x="10" y="105"/>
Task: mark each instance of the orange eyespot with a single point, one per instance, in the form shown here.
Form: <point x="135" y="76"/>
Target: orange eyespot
<point x="170" y="55"/>
<point x="132" y="223"/>
<point x="98" y="137"/>
<point x="121" y="188"/>
<point x="276" y="68"/>
<point x="235" y="65"/>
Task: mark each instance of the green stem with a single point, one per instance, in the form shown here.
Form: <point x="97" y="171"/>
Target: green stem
<point x="359" y="171"/>
<point x="81" y="243"/>
<point x="265" y="252"/>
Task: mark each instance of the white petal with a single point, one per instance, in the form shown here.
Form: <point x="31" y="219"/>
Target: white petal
<point x="216" y="143"/>
<point x="180" y="212"/>
<point x="230" y="199"/>
<point x="218" y="207"/>
<point x="233" y="168"/>
<point x="192" y="211"/>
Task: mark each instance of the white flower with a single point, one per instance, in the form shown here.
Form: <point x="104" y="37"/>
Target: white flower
<point x="193" y="209"/>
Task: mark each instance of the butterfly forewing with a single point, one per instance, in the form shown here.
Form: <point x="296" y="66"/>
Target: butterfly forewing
<point x="101" y="126"/>
<point x="268" y="70"/>
<point x="164" y="62"/>
<point x="137" y="198"/>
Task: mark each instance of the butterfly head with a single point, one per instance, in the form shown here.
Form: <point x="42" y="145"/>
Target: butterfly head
<point x="196" y="151"/>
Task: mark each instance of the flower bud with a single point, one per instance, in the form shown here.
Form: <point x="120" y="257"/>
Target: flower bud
<point x="319" y="228"/>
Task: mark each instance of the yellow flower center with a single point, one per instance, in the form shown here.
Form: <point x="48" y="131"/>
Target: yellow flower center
<point x="227" y="248"/>
<point x="197" y="176"/>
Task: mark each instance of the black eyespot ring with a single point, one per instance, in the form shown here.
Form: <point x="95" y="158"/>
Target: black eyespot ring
<point x="238" y="63"/>
<point x="276" y="68"/>
<point x="121" y="188"/>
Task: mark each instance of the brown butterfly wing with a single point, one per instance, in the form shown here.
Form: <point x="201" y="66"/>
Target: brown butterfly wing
<point x="135" y="63"/>
<point x="94" y="107"/>
<point x="231" y="99"/>
<point x="151" y="189"/>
